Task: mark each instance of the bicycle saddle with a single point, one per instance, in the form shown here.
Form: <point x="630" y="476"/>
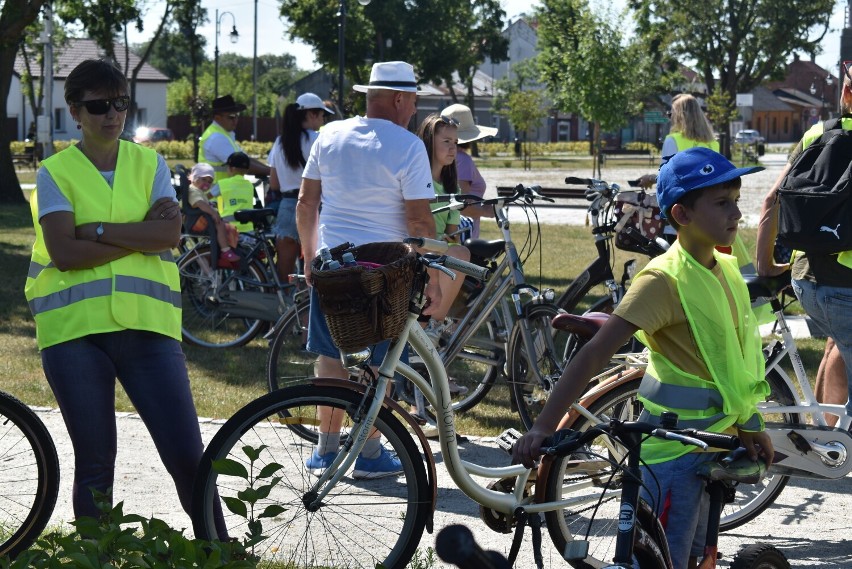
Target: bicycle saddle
<point x="485" y="249"/>
<point x="253" y="215"/>
<point x="766" y="287"/>
<point x="736" y="467"/>
<point x="586" y="325"/>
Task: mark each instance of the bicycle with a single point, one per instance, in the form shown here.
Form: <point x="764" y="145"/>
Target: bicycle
<point x="228" y="307"/>
<point x="529" y="394"/>
<point x="29" y="477"/>
<point x="805" y="446"/>
<point x="485" y="328"/>
<point x="337" y="521"/>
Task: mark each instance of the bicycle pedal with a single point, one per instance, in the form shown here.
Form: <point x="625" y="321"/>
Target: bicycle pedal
<point x="575" y="550"/>
<point x="507" y="439"/>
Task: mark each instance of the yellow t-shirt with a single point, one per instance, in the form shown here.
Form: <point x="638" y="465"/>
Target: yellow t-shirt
<point x="652" y="303"/>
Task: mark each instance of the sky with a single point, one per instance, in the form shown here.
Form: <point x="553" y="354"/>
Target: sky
<point x="271" y="29"/>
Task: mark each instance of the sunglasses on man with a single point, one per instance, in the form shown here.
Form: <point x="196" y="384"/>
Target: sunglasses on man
<point x="101" y="106"/>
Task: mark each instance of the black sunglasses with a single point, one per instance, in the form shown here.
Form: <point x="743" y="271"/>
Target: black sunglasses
<point x="101" y="106"/>
<point x="448" y="120"/>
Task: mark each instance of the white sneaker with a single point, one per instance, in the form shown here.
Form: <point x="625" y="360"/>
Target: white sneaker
<point x="435" y="330"/>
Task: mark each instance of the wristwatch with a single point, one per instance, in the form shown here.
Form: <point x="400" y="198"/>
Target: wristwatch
<point x="99" y="231"/>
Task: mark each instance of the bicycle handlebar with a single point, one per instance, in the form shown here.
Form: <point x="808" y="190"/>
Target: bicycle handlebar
<point x="527" y="194"/>
<point x="566" y="441"/>
<point x="438" y="246"/>
<point x="455" y="544"/>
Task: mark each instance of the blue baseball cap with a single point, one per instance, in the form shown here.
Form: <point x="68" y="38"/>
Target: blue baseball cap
<point x="694" y="169"/>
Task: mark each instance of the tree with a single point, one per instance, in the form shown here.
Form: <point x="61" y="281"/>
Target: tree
<point x="736" y="44"/>
<point x="590" y="68"/>
<point x="102" y="20"/>
<point x="15" y="16"/>
<point x="464" y="34"/>
<point x="522" y="100"/>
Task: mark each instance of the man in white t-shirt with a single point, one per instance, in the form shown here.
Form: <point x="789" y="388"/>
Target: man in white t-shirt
<point x="373" y="179"/>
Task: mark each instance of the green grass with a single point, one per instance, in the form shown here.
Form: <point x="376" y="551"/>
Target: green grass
<point x="225" y="380"/>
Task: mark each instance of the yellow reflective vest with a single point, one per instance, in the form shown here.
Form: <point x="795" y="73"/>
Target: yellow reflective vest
<point x="235" y="193"/>
<point x="220" y="168"/>
<point x="813" y="133"/>
<point x="684" y="143"/>
<point x="139" y="292"/>
<point x="732" y="355"/>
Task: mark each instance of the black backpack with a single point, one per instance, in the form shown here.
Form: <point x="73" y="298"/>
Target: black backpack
<point x="816" y="195"/>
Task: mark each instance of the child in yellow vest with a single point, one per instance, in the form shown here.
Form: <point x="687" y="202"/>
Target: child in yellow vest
<point x="201" y="213"/>
<point x="235" y="192"/>
<point x="691" y="308"/>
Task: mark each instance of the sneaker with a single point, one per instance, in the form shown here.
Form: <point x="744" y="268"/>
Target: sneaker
<point x="228" y="259"/>
<point x="317" y="463"/>
<point x="436" y="330"/>
<point x="380" y="467"/>
<point x="456" y="389"/>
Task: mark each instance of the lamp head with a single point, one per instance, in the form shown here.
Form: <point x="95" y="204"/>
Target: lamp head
<point x="364" y="2"/>
<point x="234" y="35"/>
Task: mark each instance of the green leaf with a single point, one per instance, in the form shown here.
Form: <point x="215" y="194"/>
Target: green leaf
<point x="269" y="470"/>
<point x="236" y="506"/>
<point x="272" y="511"/>
<point x="254" y="453"/>
<point x="229" y="467"/>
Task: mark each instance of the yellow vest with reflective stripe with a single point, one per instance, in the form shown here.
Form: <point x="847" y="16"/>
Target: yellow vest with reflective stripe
<point x="140" y="291"/>
<point x="235" y="193"/>
<point x="732" y="355"/>
<point x="220" y="168"/>
<point x="684" y="143"/>
<point x="813" y="133"/>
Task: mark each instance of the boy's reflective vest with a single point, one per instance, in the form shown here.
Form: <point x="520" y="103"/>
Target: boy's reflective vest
<point x="140" y="291"/>
<point x="813" y="133"/>
<point x="235" y="193"/>
<point x="735" y="361"/>
<point x="220" y="168"/>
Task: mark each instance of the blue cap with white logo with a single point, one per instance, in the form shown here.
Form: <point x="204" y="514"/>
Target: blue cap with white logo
<point x="694" y="169"/>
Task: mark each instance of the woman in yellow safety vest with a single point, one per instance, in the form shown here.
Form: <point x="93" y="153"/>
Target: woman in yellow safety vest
<point x="104" y="289"/>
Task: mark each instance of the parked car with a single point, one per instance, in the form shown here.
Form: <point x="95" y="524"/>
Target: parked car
<point x="749" y="136"/>
<point x="153" y="134"/>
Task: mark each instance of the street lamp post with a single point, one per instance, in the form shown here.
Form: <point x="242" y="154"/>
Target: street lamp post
<point x="234" y="35"/>
<point x="341" y="48"/>
<point x="829" y="81"/>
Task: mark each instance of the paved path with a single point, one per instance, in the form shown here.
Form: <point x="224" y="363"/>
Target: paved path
<point x="809" y="522"/>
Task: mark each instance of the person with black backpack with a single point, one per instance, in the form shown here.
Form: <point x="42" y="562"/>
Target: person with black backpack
<point x="808" y="210"/>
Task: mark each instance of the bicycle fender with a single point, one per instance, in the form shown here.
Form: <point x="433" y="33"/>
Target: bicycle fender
<point x="653" y="538"/>
<point x="389" y="403"/>
<point x="810" y="451"/>
<point x="572" y="415"/>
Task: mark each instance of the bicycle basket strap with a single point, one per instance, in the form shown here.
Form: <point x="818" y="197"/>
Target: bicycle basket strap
<point x="364" y="306"/>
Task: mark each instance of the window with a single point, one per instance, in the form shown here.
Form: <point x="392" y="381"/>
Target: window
<point x="141" y="116"/>
<point x="59" y="120"/>
<point x="563" y="131"/>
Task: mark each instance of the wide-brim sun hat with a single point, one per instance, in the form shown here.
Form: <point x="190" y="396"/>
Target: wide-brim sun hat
<point x="468" y="130"/>
<point x="226" y="104"/>
<point x="308" y="101"/>
<point x="693" y="169"/>
<point x="392" y="75"/>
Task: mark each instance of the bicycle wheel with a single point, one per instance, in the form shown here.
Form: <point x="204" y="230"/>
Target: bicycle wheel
<point x="532" y="375"/>
<point x="206" y="320"/>
<point x="752" y="499"/>
<point x="359" y="523"/>
<point x="760" y="556"/>
<point x="288" y="361"/>
<point x="29" y="479"/>
<point x="596" y="522"/>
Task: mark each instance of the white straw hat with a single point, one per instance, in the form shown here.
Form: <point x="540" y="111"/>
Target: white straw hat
<point x="308" y="101"/>
<point x="468" y="130"/>
<point x="393" y="75"/>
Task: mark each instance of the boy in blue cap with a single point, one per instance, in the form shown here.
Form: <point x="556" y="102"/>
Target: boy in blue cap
<point x="691" y="308"/>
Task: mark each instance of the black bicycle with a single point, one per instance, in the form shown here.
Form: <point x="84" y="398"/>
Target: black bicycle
<point x="29" y="476"/>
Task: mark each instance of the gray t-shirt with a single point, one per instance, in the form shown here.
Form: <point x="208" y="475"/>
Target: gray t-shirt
<point x="51" y="198"/>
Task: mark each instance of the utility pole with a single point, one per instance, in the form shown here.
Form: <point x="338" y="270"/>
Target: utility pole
<point x="44" y="122"/>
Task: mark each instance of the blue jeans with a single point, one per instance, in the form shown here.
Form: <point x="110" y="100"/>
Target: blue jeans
<point x="285" y="221"/>
<point x="830" y="307"/>
<point x="152" y="369"/>
<point x="673" y="490"/>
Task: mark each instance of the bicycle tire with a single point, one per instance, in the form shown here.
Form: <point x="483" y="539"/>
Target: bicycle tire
<point x="288" y="361"/>
<point x="752" y="499"/>
<point x="760" y="556"/>
<point x="205" y="324"/>
<point x="29" y="477"/>
<point x="528" y="392"/>
<point x="563" y="525"/>
<point x="360" y="523"/>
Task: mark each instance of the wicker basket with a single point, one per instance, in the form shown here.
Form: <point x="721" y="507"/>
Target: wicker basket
<point x="364" y="306"/>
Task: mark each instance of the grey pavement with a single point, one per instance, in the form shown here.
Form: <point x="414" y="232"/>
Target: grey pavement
<point x="809" y="522"/>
